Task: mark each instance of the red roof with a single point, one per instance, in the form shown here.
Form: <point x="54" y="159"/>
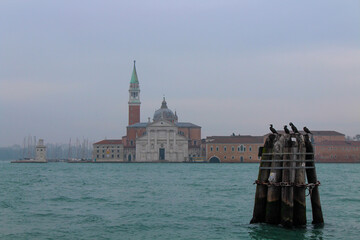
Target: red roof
<point x="109" y="141"/>
<point x="314" y="132"/>
<point x="339" y="143"/>
<point x="235" y="139"/>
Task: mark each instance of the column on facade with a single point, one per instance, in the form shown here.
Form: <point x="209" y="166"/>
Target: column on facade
<point x="148" y="147"/>
<point x="174" y="145"/>
<point x="168" y="138"/>
<point x="155" y="134"/>
<point x="156" y="149"/>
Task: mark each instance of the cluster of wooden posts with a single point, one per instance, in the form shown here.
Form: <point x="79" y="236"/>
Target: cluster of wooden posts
<point x="281" y="188"/>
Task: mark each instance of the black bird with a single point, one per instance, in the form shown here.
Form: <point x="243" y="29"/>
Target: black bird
<point x="286" y="130"/>
<point x="293" y="128"/>
<point x="307" y="130"/>
<point x="273" y="129"/>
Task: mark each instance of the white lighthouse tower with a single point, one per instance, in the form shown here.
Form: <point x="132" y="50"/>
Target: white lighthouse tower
<point x="40" y="151"/>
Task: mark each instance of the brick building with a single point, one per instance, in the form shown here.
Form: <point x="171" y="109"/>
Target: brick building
<point x="338" y="151"/>
<point x="331" y="146"/>
<point x="233" y="149"/>
<point x="162" y="139"/>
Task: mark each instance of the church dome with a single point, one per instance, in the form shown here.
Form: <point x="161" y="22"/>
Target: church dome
<point x="165" y="113"/>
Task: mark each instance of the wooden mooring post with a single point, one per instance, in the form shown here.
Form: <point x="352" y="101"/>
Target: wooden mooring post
<point x="312" y="179"/>
<point x="287" y="189"/>
<point x="281" y="187"/>
<point x="299" y="217"/>
<point x="273" y="202"/>
<point x="261" y="190"/>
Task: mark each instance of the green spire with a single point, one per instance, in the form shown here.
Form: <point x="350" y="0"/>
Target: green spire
<point x="134" y="78"/>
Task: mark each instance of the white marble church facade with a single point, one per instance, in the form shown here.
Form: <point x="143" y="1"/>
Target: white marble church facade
<point x="162" y="142"/>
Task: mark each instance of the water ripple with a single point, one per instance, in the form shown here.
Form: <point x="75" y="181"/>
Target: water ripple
<point x="160" y="201"/>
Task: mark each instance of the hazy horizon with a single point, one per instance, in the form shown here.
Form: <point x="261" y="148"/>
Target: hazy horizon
<point x="227" y="66"/>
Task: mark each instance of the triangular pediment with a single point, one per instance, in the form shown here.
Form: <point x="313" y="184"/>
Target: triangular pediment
<point x="162" y="123"/>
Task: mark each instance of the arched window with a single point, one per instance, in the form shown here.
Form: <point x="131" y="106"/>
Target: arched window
<point x="242" y="148"/>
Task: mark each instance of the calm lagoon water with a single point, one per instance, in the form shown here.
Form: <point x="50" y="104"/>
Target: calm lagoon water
<point x="160" y="201"/>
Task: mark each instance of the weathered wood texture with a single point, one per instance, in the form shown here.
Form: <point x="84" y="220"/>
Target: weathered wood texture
<point x="274" y="192"/>
<point x="261" y="190"/>
<point x="299" y="192"/>
<point x="312" y="178"/>
<point x="287" y="193"/>
<point x="280" y="196"/>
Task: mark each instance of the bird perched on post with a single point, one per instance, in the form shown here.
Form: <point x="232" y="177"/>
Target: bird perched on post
<point x="293" y="127"/>
<point x="273" y="129"/>
<point x="287" y="131"/>
<point x="307" y="130"/>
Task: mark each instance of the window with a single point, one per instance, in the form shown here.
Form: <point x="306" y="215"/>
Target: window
<point x="241" y="148"/>
<point x="112" y="155"/>
<point x="118" y="156"/>
<point x="232" y="149"/>
<point x="238" y="149"/>
<point x="131" y="142"/>
<point x="211" y="149"/>
<point x="103" y="151"/>
<point x="224" y="157"/>
<point x="97" y="156"/>
<point x="112" y="151"/>
<point x="232" y="157"/>
<point x="217" y="149"/>
<point x="250" y="149"/>
<point x="241" y="159"/>
<point x="118" y="151"/>
<point x="225" y="149"/>
<point x="103" y="156"/>
<point x="97" y="151"/>
<point x="194" y="142"/>
<point x="250" y="157"/>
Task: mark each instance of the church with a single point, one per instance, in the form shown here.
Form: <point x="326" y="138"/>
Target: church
<point x="164" y="139"/>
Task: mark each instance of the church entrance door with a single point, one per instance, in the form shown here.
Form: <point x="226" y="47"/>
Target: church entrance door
<point x="161" y="153"/>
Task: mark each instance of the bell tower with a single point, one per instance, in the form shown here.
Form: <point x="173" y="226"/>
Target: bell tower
<point x="134" y="99"/>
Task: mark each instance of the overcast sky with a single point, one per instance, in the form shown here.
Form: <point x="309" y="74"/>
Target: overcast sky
<point x="228" y="66"/>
